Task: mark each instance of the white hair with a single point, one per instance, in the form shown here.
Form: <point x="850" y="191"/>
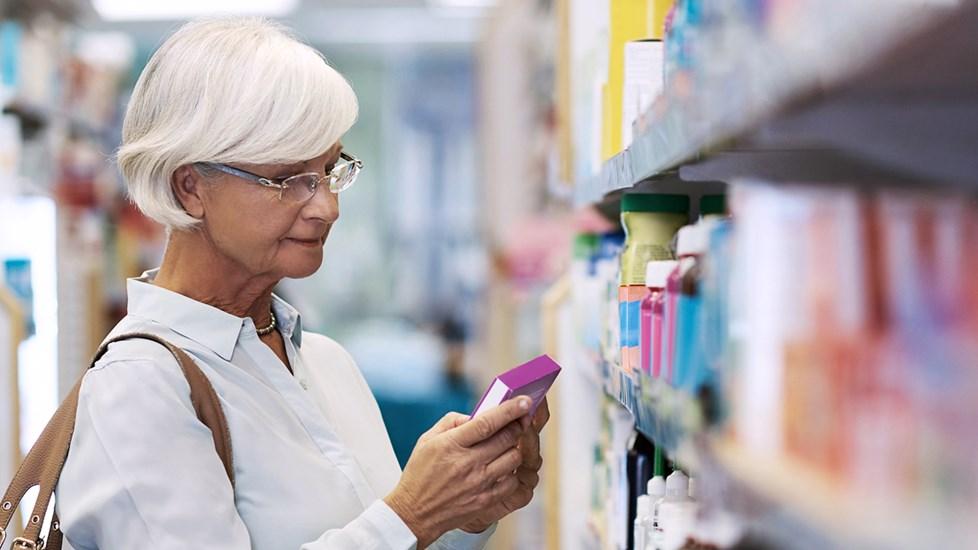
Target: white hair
<point x="227" y="90"/>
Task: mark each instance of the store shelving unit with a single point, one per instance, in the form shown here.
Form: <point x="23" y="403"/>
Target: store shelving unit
<point x="823" y="505"/>
<point x="854" y="100"/>
<point x="35" y="116"/>
<point x="882" y="95"/>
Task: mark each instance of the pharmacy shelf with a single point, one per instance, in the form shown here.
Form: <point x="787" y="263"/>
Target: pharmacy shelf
<point x="800" y="498"/>
<point x="668" y="416"/>
<point x="887" y="84"/>
<point x="35" y="117"/>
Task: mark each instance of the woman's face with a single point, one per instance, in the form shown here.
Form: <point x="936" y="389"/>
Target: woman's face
<point x="250" y="226"/>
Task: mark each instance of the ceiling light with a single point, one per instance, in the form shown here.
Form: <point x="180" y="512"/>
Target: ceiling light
<point x="127" y="10"/>
<point x="475" y="4"/>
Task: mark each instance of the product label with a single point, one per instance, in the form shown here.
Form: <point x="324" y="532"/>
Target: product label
<point x="645" y="339"/>
<point x="655" y="349"/>
<point x="668" y="336"/>
<point x="643" y="254"/>
<point x="690" y="373"/>
<point x="630" y="307"/>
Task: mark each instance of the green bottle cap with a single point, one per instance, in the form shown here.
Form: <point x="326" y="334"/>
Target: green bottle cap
<point x="713" y="205"/>
<point x="654" y="202"/>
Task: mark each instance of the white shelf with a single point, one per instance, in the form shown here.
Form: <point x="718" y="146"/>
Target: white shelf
<point x="849" y="518"/>
<point x="850" y="63"/>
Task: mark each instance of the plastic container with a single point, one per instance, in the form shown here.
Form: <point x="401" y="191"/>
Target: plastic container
<point x="657" y="492"/>
<point x="643" y="523"/>
<point x="691" y="243"/>
<point x="639" y="462"/>
<point x="650" y="222"/>
<point x="716" y="305"/>
<point x="677" y="514"/>
<point x="689" y="372"/>
<point x="606" y="269"/>
<point x="650" y="345"/>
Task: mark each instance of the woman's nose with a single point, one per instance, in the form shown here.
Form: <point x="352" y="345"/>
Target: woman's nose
<point x="324" y="205"/>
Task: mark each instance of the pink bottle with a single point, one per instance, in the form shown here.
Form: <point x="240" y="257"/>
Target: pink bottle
<point x="656" y="274"/>
<point x="690" y="245"/>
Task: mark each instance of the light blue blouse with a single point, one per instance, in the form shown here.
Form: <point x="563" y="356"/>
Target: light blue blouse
<point x="311" y="455"/>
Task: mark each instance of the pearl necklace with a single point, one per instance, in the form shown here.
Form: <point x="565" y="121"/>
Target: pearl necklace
<point x="267" y="330"/>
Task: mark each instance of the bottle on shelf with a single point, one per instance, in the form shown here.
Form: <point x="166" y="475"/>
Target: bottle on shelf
<point x="688" y="371"/>
<point x="656" y="275"/>
<point x="606" y="270"/>
<point x="638" y="469"/>
<point x="650" y="222"/>
<point x="643" y="522"/>
<point x="690" y="245"/>
<point x="714" y="333"/>
<point x="677" y="513"/>
<point x="656" y="494"/>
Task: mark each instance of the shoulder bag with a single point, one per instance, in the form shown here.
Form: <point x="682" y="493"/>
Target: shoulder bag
<point x="43" y="464"/>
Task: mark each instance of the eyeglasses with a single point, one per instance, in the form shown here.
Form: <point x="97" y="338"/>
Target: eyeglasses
<point x="301" y="187"/>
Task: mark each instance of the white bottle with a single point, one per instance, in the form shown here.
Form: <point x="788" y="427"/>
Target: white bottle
<point x="677" y="514"/>
<point x="657" y="492"/>
<point x="642" y="521"/>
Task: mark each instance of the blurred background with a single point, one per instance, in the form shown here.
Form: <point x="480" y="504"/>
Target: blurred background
<point x="825" y="157"/>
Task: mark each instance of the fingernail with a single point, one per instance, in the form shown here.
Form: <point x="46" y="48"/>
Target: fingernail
<point x="525" y="404"/>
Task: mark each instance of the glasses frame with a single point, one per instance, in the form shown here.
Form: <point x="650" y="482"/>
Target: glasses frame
<point x="282" y="183"/>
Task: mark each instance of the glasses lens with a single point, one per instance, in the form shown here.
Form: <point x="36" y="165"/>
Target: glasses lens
<point x="343" y="175"/>
<point x="300" y="188"/>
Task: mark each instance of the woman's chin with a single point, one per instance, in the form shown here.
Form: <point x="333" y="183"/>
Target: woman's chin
<point x="304" y="267"/>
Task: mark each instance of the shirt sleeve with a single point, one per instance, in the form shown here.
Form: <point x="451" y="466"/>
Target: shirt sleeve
<point x="462" y="540"/>
<point x="142" y="472"/>
<point x="378" y="527"/>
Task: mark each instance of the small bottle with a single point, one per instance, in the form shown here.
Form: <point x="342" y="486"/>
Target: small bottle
<point x="690" y="244"/>
<point x="656" y="274"/>
<point x="657" y="492"/>
<point x="689" y="357"/>
<point x="643" y="520"/>
<point x="713" y="207"/>
<point x="677" y="514"/>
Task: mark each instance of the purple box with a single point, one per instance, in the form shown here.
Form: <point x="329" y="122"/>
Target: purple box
<point x="532" y="379"/>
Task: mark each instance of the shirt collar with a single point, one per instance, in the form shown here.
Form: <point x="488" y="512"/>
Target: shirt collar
<point x="288" y="319"/>
<point x="214" y="328"/>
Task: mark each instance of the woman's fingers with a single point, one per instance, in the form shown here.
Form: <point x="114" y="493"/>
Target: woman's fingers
<point x="504" y="465"/>
<point x="449" y="421"/>
<point x="490" y="422"/>
<point x="504" y="440"/>
<point x="528" y="477"/>
<point x="504" y="487"/>
<point x="541" y="416"/>
<point x="530" y="447"/>
<point x="446" y="423"/>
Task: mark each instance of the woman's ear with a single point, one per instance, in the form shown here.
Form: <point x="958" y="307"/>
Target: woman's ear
<point x="187" y="186"/>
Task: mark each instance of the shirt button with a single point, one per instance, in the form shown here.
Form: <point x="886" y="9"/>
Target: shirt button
<point x="304" y="384"/>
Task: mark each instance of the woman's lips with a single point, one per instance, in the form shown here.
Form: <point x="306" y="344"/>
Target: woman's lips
<point x="308" y="242"/>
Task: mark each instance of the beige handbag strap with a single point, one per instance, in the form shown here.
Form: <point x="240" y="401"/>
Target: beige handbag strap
<point x="43" y="464"/>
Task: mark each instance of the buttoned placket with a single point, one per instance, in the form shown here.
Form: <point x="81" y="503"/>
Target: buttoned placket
<point x="298" y="399"/>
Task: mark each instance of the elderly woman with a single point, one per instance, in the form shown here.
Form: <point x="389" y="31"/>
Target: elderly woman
<point x="232" y="140"/>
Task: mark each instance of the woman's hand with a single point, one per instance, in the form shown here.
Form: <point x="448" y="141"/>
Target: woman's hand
<point x="459" y="469"/>
<point x="527" y="474"/>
